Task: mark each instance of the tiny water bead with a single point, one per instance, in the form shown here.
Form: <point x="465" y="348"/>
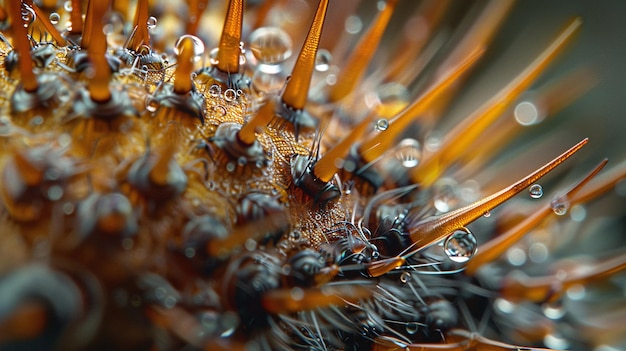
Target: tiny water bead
<point x="198" y="45"/>
<point x="560" y="206"/>
<point x="409" y="152"/>
<point x="270" y="45"/>
<point x="382" y="124"/>
<point x="322" y="60"/>
<point x="460" y="246"/>
<point x="535" y="191"/>
<point x="152" y="22"/>
<point x="54" y="18"/>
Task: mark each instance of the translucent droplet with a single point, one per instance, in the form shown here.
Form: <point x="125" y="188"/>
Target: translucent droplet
<point x="28" y="15"/>
<point x="230" y="167"/>
<point x="505" y="306"/>
<point x="516" y="256"/>
<point x="353" y="24"/>
<point x="152" y="23"/>
<point x="405" y="277"/>
<point x="322" y="60"/>
<point x="68" y="6"/>
<point x="460" y="246"/>
<point x="444" y="198"/>
<point x="297" y="294"/>
<point x="554" y="341"/>
<point x="55" y="193"/>
<point x="230" y="95"/>
<point x="54" y="18"/>
<point x="487" y="214"/>
<point x="538" y="252"/>
<point x="553" y="310"/>
<point x="560" y="206"/>
<point x="198" y="45"/>
<point x="152" y="105"/>
<point x="411" y="328"/>
<point x="213" y="57"/>
<point x="388" y="99"/>
<point x="266" y="83"/>
<point x="535" y="191"/>
<point x="215" y="90"/>
<point x="270" y="45"/>
<point x="382" y="124"/>
<point x="409" y="152"/>
<point x="219" y="110"/>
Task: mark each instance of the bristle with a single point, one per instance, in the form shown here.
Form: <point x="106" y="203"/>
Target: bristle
<point x="471" y="128"/>
<point x="428" y="17"/>
<point x="297" y="299"/>
<point x="76" y="17"/>
<point x="229" y="50"/>
<point x="262" y="12"/>
<point x="140" y="35"/>
<point x="99" y="82"/>
<point x="297" y="89"/>
<point x="30" y="174"/>
<point x="49" y="27"/>
<point x="328" y="165"/>
<point x="495" y="247"/>
<point x="373" y="147"/>
<point x="251" y="230"/>
<point x="22" y="47"/>
<point x="550" y="287"/>
<point x="431" y="230"/>
<point x="184" y="67"/>
<point x="357" y="63"/>
<point x="549" y="99"/>
<point x="265" y="114"/>
<point x="481" y="31"/>
<point x="24" y="322"/>
<point x="195" y="8"/>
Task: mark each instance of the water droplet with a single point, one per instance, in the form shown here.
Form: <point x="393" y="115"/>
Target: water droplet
<point x="213" y="57"/>
<point x="68" y="208"/>
<point x="54" y="18"/>
<point x="230" y="95"/>
<point x="28" y="15"/>
<point x="505" y="306"/>
<point x="444" y="198"/>
<point x="219" y="110"/>
<point x="516" y="256"/>
<point x="353" y="24"/>
<point x="266" y="83"/>
<point x="152" y="105"/>
<point x="152" y="23"/>
<point x="553" y="310"/>
<point x="215" y="90"/>
<point x="322" y="60"/>
<point x="411" y="327"/>
<point x="538" y="252"/>
<point x="230" y="167"/>
<point x="554" y="341"/>
<point x="405" y="277"/>
<point x="36" y="121"/>
<point x="535" y="191"/>
<point x="55" y="193"/>
<point x="297" y="294"/>
<point x="270" y="45"/>
<point x="409" y="152"/>
<point x="68" y="6"/>
<point x="487" y="214"/>
<point x="461" y="245"/>
<point x="198" y="45"/>
<point x="382" y="124"/>
<point x="560" y="206"/>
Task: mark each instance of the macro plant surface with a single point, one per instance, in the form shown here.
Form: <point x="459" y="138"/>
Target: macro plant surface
<point x="293" y="175"/>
